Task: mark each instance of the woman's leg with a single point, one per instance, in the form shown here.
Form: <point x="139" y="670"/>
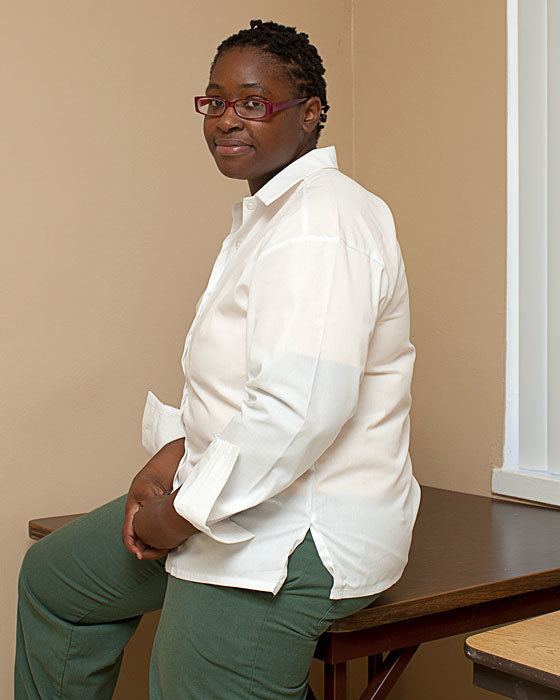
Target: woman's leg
<point x="217" y="642"/>
<point x="81" y="597"/>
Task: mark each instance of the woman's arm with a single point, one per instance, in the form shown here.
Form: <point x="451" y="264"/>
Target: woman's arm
<point x="157" y="523"/>
<point x="162" y="466"/>
<point x="314" y="303"/>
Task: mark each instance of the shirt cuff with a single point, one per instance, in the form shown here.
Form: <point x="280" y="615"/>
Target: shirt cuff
<point x="201" y="488"/>
<point x="160" y="424"/>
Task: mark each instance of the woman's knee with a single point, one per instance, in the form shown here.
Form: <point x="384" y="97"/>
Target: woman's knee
<point x="60" y="561"/>
<point x="33" y="572"/>
<point x="34" y="559"/>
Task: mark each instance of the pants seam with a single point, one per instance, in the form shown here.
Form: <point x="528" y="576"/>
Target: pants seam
<point x="306" y="567"/>
<point x="257" y="645"/>
<point x="65" y="662"/>
<point x="332" y="607"/>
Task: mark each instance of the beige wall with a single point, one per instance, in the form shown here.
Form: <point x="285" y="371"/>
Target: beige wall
<point x="430" y="137"/>
<point x="113" y="212"/>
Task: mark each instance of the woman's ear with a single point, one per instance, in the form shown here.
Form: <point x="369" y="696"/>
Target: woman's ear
<point x="311" y="114"/>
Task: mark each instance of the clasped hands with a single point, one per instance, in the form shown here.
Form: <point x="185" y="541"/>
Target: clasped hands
<point x="152" y="527"/>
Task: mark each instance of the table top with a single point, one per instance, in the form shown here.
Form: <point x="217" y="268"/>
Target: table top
<point x="466" y="549"/>
<point x="529" y="649"/>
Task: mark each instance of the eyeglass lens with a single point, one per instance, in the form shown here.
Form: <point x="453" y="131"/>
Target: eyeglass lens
<point x="215" y="107"/>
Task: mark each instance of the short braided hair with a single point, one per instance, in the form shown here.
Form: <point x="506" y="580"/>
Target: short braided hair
<point x="299" y="57"/>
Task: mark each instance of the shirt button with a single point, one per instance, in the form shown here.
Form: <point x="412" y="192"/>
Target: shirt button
<point x="250" y="205"/>
<point x="238" y="243"/>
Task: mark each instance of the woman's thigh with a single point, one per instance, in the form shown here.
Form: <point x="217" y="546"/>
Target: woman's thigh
<point x="215" y="641"/>
<point x="82" y="572"/>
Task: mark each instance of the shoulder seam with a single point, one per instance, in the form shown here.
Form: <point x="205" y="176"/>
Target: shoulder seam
<point x="274" y="247"/>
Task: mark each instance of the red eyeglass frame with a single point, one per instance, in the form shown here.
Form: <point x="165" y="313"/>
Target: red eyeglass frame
<point x="271" y="107"/>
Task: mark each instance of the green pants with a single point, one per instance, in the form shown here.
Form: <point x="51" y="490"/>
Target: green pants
<point x="82" y="595"/>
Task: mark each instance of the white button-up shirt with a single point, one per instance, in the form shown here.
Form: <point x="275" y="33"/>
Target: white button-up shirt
<point x="295" y="409"/>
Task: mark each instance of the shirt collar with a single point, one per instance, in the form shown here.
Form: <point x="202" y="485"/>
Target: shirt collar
<point x="297" y="170"/>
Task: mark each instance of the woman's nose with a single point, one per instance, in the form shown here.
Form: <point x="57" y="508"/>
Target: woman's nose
<point x="229" y="118"/>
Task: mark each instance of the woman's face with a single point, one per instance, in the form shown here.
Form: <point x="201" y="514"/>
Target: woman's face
<point x="274" y="142"/>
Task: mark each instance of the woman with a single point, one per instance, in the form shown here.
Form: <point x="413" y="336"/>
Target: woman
<point x="280" y="496"/>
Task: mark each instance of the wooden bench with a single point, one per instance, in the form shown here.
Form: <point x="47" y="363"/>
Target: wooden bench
<point x="475" y="562"/>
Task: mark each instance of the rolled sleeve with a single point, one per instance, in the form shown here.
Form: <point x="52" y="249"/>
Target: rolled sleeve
<point x="160" y="424"/>
<point x="313" y="305"/>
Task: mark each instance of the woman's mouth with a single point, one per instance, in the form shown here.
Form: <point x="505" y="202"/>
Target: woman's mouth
<point x="232" y="150"/>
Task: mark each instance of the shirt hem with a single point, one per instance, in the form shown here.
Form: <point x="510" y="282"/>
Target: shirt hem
<point x="236" y="582"/>
<point x="343" y="590"/>
<point x="336" y="593"/>
<point x="340" y="592"/>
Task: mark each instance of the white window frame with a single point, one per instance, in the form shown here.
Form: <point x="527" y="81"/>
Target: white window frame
<point x="531" y="467"/>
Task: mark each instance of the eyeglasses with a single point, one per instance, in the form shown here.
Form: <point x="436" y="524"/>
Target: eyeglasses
<point x="248" y="108"/>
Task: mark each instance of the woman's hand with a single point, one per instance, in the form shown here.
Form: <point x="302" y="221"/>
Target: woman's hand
<point x="154" y="479"/>
<point x="145" y="486"/>
<point x="158" y="524"/>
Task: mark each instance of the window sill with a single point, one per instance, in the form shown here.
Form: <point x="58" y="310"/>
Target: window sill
<point x="543" y="487"/>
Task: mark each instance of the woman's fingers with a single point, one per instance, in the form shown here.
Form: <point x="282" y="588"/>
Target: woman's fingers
<point x="133" y="543"/>
<point x="130" y="541"/>
<point x="148" y="553"/>
<point x="151" y="553"/>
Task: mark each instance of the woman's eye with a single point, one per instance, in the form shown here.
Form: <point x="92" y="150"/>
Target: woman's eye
<point x="253" y="104"/>
<point x="214" y="100"/>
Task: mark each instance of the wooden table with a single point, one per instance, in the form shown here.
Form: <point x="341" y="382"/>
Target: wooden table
<point x="521" y="660"/>
<point x="475" y="562"/>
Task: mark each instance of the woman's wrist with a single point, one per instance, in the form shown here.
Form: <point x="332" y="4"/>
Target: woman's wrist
<point x="163" y="465"/>
<point x="176" y="525"/>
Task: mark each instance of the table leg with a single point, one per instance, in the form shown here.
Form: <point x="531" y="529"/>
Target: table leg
<point x="383" y="674"/>
<point x="335" y="681"/>
<point x="375" y="664"/>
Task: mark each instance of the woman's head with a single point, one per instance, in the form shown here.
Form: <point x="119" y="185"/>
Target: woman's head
<point x="285" y="66"/>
